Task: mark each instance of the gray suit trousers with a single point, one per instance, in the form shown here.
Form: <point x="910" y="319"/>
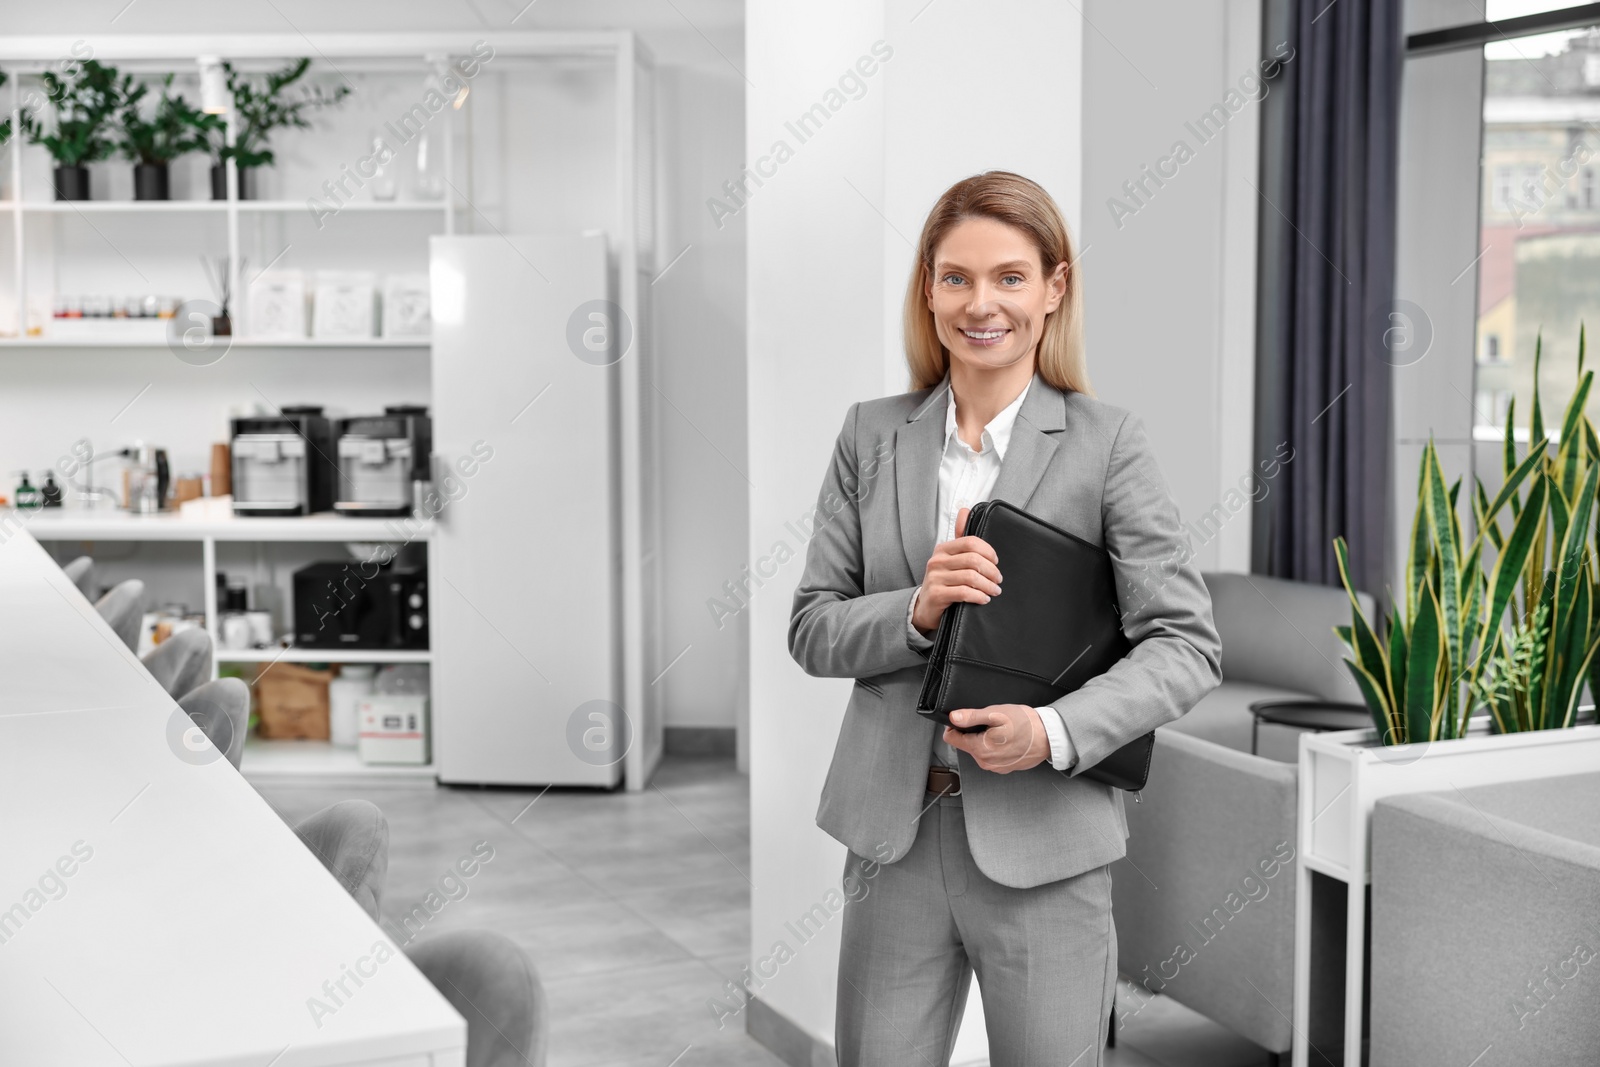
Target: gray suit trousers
<point x="1045" y="957"/>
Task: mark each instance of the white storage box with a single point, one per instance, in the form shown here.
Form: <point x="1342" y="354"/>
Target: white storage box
<point x="345" y="306"/>
<point x="277" y="308"/>
<point x="108" y="330"/>
<point x="406" y="301"/>
<point x="394" y="728"/>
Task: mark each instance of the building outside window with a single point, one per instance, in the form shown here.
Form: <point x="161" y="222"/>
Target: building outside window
<point x="1539" y="275"/>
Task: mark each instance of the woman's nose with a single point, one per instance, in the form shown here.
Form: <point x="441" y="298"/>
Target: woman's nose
<point x="982" y="302"/>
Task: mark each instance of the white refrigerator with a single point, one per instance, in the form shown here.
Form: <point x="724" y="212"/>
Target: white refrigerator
<point x="525" y="561"/>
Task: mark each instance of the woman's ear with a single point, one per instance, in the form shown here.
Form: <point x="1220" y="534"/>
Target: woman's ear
<point x="1058" y="286"/>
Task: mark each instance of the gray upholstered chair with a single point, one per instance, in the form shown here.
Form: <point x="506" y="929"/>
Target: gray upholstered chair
<point x="81" y="571"/>
<point x="1213" y="815"/>
<point x="351" y="838"/>
<point x="1483" y="900"/>
<point x="123" y="609"/>
<point x="493" y="984"/>
<point x="221" y="709"/>
<point x="1277" y="643"/>
<point x="181" y="662"/>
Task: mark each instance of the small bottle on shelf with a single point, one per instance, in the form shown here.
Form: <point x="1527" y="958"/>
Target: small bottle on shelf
<point x="28" y="496"/>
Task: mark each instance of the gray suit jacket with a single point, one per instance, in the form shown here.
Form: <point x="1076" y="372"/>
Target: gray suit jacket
<point x="1074" y="461"/>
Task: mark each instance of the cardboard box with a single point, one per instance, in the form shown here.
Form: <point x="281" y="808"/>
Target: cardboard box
<point x="292" y="702"/>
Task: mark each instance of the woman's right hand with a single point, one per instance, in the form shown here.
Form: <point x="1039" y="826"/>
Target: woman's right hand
<point x="961" y="569"/>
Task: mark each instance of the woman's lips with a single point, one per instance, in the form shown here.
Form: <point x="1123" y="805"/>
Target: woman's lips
<point x="985" y="338"/>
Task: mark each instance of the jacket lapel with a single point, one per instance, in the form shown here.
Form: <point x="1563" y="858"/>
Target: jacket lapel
<point x="1034" y="438"/>
<point x="918" y="448"/>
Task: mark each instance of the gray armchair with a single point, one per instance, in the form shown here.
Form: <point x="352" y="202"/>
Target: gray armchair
<point x="123" y="609"/>
<point x="493" y="984"/>
<point x="1211" y="846"/>
<point x="221" y="709"/>
<point x="1277" y="643"/>
<point x="351" y="838"/>
<point x="1494" y="887"/>
<point x="81" y="571"/>
<point x="181" y="662"/>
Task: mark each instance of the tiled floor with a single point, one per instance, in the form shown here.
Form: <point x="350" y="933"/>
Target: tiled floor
<point x="634" y="906"/>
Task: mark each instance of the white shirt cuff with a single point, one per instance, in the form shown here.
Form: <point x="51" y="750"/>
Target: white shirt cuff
<point x="914" y="635"/>
<point x="1062" y="753"/>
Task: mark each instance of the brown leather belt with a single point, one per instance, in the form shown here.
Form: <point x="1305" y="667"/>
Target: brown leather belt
<point x="944" y="780"/>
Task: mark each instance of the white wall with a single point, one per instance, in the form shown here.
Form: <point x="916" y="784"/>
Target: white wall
<point x="1169" y="305"/>
<point x="830" y="244"/>
<point x="699" y="309"/>
<point x="1437" y="256"/>
<point x="1170" y="291"/>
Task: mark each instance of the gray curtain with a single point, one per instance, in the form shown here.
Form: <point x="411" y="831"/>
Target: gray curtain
<point x="1327" y="237"/>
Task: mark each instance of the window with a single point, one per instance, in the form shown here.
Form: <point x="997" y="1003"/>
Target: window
<point x="1487" y="108"/>
<point x="1502" y="189"/>
<point x="1540" y="270"/>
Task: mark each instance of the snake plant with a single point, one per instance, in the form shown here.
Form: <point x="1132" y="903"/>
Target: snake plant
<point x="1516" y="637"/>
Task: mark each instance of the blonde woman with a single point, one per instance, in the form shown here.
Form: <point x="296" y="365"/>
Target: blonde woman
<point x="986" y="852"/>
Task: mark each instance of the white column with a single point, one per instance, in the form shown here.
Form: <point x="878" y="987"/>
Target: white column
<point x="966" y="87"/>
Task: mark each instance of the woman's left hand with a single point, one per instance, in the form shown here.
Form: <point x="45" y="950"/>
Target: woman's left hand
<point x="1014" y="741"/>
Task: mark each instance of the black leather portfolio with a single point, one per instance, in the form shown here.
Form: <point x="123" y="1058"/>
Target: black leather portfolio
<point x="1054" y="626"/>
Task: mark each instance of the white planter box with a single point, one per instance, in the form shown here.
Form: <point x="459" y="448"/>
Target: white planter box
<point x="1343" y="774"/>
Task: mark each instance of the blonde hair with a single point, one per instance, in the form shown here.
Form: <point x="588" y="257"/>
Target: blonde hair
<point x="1017" y="201"/>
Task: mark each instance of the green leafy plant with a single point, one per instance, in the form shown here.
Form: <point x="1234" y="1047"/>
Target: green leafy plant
<point x="263" y="106"/>
<point x="85" y="104"/>
<point x="173" y="129"/>
<point x="1467" y="640"/>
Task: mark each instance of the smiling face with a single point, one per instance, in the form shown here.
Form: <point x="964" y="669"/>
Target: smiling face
<point x="989" y="294"/>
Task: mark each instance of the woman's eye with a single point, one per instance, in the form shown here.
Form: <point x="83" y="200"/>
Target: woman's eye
<point x="1018" y="277"/>
<point x="947" y="279"/>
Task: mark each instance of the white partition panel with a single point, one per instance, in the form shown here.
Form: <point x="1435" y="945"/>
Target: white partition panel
<point x="526" y="555"/>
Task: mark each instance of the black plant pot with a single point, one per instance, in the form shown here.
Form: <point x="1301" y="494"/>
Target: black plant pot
<point x="151" y="181"/>
<point x="221" y="325"/>
<point x="72" y="183"/>
<point x="219" y="183"/>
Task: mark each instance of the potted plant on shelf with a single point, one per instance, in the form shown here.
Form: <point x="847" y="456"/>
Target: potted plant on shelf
<point x="85" y="103"/>
<point x="175" y="127"/>
<point x="5" y="124"/>
<point x="261" y="107"/>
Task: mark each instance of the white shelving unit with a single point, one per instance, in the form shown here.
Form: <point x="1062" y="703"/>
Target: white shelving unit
<point x="324" y="655"/>
<point x="264" y="760"/>
<point x="631" y="260"/>
<point x="238" y="342"/>
<point x="318" y="763"/>
<point x="68" y="525"/>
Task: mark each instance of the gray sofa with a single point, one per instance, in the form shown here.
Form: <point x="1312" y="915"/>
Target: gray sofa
<point x="1204" y="900"/>
<point x="1484" y="900"/>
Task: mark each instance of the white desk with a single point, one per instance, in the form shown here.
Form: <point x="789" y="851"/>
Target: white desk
<point x="198" y="928"/>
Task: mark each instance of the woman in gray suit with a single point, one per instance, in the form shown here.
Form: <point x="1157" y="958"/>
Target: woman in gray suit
<point x="986" y="852"/>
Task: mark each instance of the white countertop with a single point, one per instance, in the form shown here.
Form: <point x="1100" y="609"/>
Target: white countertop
<point x="194" y="926"/>
<point x="69" y="524"/>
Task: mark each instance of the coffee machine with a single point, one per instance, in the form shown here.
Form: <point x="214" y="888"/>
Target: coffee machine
<point x="283" y="464"/>
<point x="379" y="457"/>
